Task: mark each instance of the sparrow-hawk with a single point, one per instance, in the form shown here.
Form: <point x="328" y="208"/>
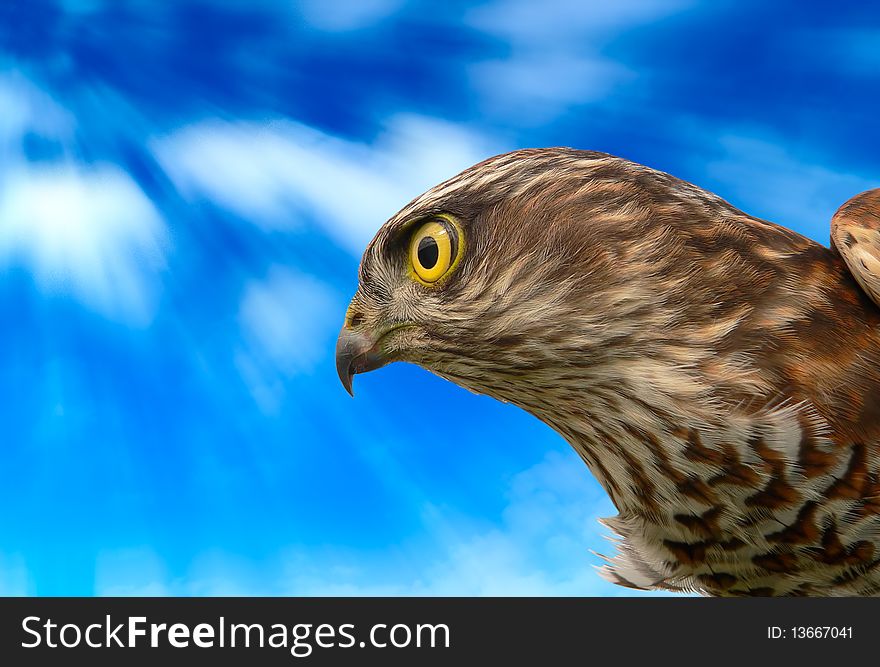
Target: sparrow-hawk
<point x="718" y="374"/>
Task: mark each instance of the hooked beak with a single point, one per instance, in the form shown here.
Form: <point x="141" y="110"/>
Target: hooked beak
<point x="356" y="352"/>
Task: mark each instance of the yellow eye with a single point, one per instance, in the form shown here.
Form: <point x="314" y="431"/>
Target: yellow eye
<point x="434" y="250"/>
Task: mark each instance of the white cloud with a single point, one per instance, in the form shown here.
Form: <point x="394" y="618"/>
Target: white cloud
<point x="346" y="15"/>
<point x="567" y="21"/>
<point x="542" y="84"/>
<point x="84" y="231"/>
<point x="136" y="571"/>
<point x="89" y="232"/>
<point x="28" y="109"/>
<point x="288" y="316"/>
<point x="764" y="179"/>
<point x="556" y="58"/>
<point x="272" y="172"/>
<point x="540" y="546"/>
<point x="14" y="578"/>
<point x="288" y="323"/>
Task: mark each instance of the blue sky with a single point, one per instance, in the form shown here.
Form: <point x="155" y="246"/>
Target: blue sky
<point x="185" y="191"/>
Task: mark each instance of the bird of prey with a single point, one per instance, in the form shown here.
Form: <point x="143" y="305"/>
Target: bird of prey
<point x="717" y="373"/>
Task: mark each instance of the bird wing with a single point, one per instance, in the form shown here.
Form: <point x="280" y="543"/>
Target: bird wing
<point x="855" y="233"/>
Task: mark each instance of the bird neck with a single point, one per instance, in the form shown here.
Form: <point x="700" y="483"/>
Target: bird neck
<point x="651" y="433"/>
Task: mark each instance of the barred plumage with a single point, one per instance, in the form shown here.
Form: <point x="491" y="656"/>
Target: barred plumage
<point x="718" y="374"/>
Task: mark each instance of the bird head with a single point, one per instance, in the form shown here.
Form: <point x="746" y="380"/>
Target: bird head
<point x="506" y="278"/>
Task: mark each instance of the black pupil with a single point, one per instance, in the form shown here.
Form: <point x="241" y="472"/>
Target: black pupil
<point x="428" y="253"/>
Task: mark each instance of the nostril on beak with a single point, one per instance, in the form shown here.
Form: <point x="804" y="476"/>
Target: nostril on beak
<point x="356" y="319"/>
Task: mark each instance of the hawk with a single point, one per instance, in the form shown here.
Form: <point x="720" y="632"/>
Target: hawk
<point x="717" y="373"/>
